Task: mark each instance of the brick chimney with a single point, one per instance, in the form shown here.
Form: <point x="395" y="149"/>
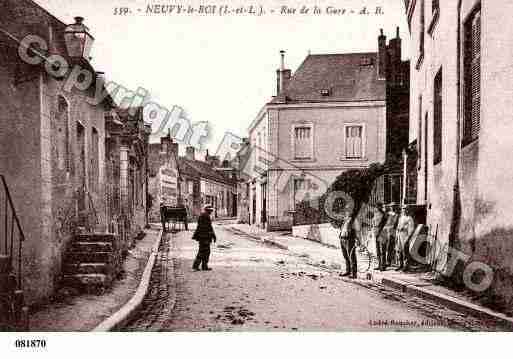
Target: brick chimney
<point x="212" y="160"/>
<point x="382" y="56"/>
<point x="168" y="146"/>
<point x="394" y="49"/>
<point x="190" y="153"/>
<point x="283" y="75"/>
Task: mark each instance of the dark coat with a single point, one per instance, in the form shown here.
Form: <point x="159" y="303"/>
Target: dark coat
<point x="204" y="231"/>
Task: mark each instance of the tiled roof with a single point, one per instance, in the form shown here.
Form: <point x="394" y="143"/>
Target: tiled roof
<point x="347" y="77"/>
<point x="203" y="170"/>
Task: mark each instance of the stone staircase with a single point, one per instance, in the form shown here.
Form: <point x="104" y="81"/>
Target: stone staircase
<point x="14" y="315"/>
<point x="92" y="262"/>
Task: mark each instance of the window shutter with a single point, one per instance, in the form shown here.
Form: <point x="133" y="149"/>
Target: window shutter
<point x="354" y="141"/>
<point x="476" y="75"/>
<point x="302" y="144"/>
<point x="437" y="128"/>
<point x="473" y="78"/>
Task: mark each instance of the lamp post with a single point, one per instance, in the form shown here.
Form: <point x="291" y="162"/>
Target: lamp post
<point x="78" y="40"/>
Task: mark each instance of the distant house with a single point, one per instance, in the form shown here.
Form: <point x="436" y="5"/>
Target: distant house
<point x="208" y="182"/>
<point x="164" y="176"/>
<point x="460" y="121"/>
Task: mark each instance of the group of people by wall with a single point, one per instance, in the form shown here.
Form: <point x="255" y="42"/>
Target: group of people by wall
<point x="391" y="234"/>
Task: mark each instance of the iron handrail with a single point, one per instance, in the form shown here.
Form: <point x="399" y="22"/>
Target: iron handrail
<point x="14" y="218"/>
<point x="9" y="198"/>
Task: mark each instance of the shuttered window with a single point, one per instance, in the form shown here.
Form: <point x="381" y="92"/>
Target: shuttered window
<point x="354" y="141"/>
<point x="303" y="142"/>
<point x="422" y="28"/>
<point x="472" y="77"/>
<point x="299" y="191"/>
<point x="437" y="119"/>
<point x="419" y="136"/>
<point x="95" y="159"/>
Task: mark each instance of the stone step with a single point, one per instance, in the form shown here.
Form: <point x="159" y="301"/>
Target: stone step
<point x="95" y="237"/>
<point x="87" y="280"/>
<point x="5" y="264"/>
<point x="89" y="257"/>
<point x="87" y="268"/>
<point x="92" y="247"/>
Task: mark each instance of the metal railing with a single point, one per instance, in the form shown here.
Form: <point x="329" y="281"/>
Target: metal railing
<point x="92" y="210"/>
<point x="12" y="232"/>
<point x="86" y="215"/>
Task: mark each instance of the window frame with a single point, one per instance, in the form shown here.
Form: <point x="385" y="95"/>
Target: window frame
<point x="422" y="34"/>
<point x="293" y="190"/>
<point x="364" y="141"/>
<point x="468" y="128"/>
<point x="312" y="141"/>
<point x="420" y="139"/>
<point x="438" y="91"/>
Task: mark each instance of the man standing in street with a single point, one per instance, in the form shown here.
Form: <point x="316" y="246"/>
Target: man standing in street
<point x="204" y="234"/>
<point x="348" y="238"/>
<point x="378" y="222"/>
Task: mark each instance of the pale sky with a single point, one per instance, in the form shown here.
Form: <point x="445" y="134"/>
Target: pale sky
<point x="220" y="69"/>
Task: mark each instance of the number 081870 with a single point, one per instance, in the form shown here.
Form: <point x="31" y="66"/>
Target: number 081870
<point x="30" y="343"/>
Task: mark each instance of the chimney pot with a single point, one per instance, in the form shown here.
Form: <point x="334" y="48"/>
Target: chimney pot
<point x="79" y="20"/>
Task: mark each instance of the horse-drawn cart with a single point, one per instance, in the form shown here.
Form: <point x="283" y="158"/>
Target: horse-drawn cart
<point x="177" y="216"/>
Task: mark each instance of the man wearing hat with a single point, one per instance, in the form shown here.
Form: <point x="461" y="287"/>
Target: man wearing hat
<point x="378" y="223"/>
<point x="389" y="231"/>
<point x="204" y="234"/>
<point x="405" y="228"/>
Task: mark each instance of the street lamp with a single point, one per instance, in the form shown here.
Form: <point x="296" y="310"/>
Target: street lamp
<point x="78" y="39"/>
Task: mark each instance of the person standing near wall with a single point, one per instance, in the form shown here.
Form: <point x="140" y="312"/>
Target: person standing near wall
<point x="405" y="228"/>
<point x="390" y="231"/>
<point x="378" y="223"/>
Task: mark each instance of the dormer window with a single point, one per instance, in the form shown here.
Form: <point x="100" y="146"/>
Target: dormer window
<point x="325" y="92"/>
<point x="366" y="61"/>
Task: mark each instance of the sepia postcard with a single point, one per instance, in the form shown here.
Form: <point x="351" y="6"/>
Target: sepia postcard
<point x="331" y="166"/>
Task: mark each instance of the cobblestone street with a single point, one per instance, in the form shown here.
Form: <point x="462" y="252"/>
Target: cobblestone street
<point x="258" y="287"/>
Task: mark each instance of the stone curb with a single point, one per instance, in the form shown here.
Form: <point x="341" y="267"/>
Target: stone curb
<point x="450" y="302"/>
<point x="123" y="315"/>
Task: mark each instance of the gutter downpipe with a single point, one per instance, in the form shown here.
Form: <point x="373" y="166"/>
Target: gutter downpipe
<point x="453" y="234"/>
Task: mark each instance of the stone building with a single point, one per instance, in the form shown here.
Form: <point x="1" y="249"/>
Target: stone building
<point x="127" y="149"/>
<point x="243" y="182"/>
<point x="164" y="176"/>
<point x="461" y="104"/>
<point x="52" y="142"/>
<point x="330" y="116"/>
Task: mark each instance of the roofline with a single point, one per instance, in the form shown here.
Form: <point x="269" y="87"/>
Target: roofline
<point x="258" y="118"/>
<point x="357" y="103"/>
<point x="47" y="12"/>
<point x="345" y="54"/>
<point x="202" y="175"/>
